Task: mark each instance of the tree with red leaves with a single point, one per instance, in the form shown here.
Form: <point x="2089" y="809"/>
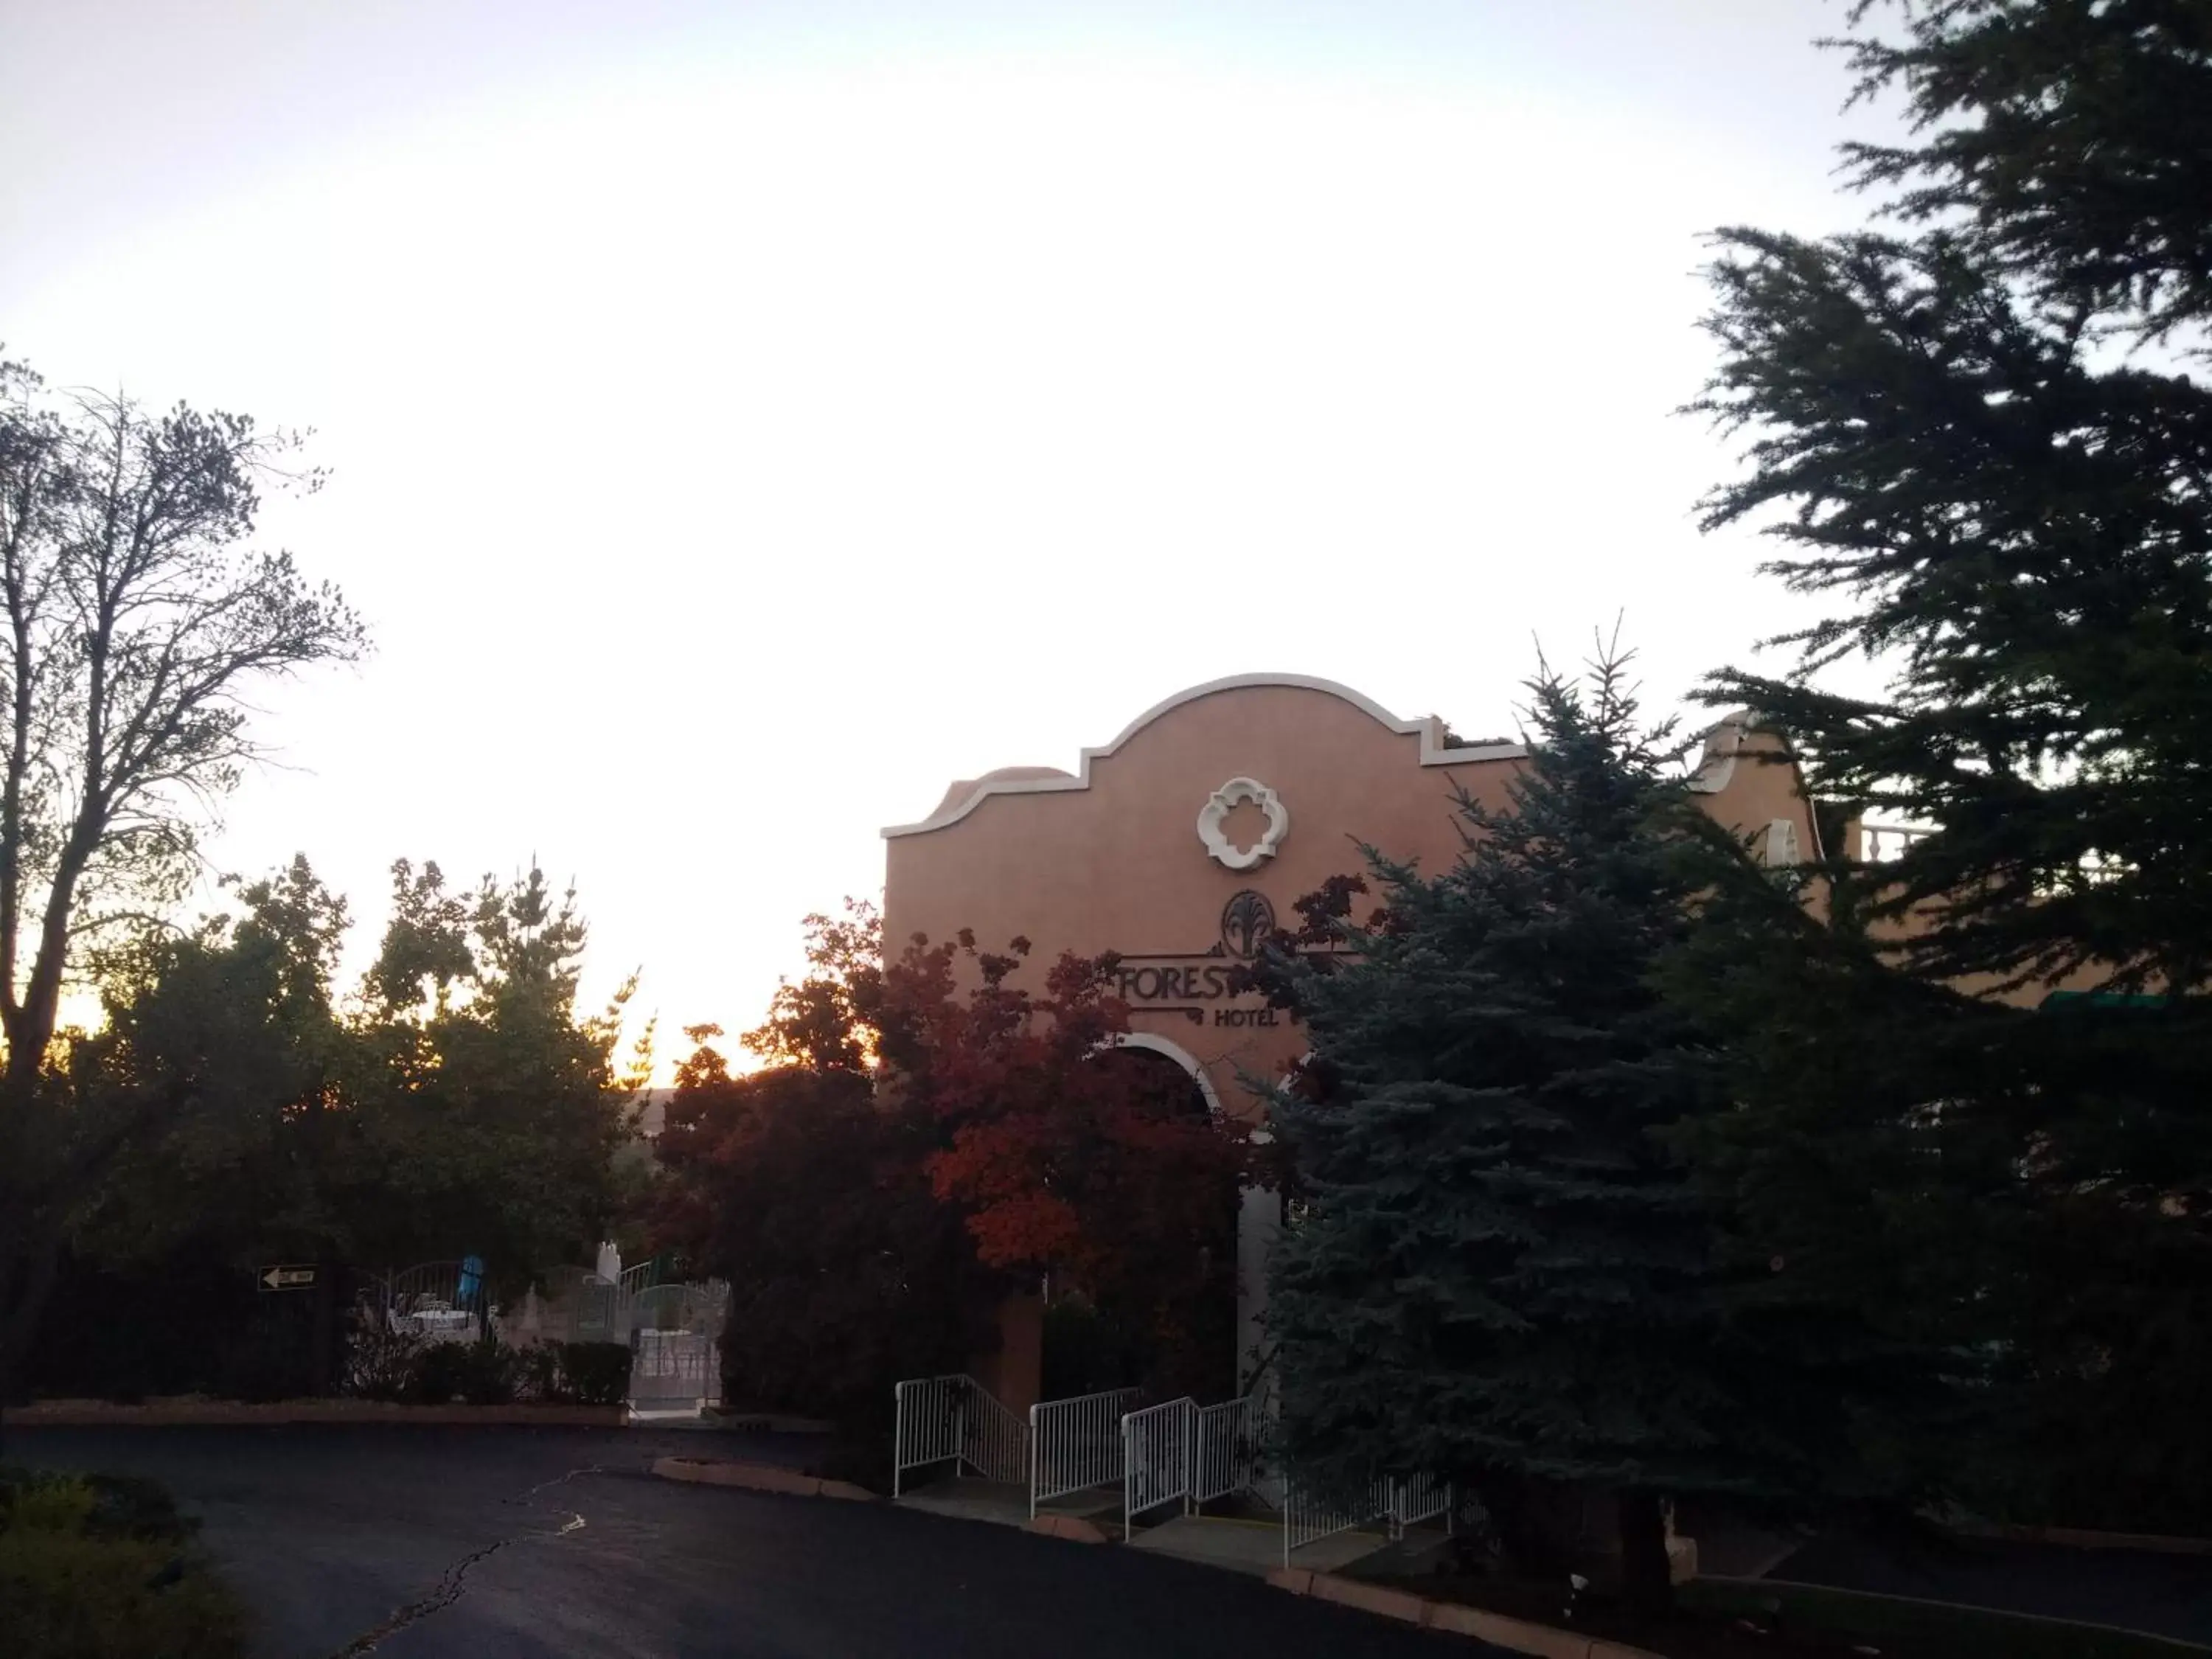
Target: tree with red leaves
<point x="926" y="1136"/>
<point x="1071" y="1155"/>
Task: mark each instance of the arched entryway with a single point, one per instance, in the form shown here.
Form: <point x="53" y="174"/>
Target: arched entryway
<point x="1164" y="1314"/>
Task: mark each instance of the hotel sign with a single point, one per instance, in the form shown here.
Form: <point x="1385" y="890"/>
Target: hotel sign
<point x="1196" y="984"/>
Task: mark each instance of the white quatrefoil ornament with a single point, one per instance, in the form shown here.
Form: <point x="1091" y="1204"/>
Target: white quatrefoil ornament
<point x="1215" y="813"/>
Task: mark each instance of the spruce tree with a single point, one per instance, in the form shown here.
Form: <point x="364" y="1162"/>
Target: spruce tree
<point x="1983" y="436"/>
<point x="1501" y="1273"/>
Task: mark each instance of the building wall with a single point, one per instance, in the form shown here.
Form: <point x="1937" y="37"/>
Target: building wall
<point x="1108" y="857"/>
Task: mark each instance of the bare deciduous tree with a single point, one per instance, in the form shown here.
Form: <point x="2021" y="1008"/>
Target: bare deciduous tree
<point x="135" y="621"/>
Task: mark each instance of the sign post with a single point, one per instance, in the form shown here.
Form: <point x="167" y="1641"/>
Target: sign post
<point x="286" y="1279"/>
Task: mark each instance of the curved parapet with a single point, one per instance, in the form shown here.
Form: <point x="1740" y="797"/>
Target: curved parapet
<point x="1437" y="748"/>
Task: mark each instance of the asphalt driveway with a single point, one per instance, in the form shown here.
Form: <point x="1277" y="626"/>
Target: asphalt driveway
<point x="479" y="1543"/>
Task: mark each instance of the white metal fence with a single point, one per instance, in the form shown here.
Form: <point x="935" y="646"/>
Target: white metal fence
<point x="1397" y="1502"/>
<point x="1076" y="1443"/>
<point x="1226" y="1440"/>
<point x="1308" y="1519"/>
<point x="673" y="1369"/>
<point x="1157" y="1450"/>
<point x="957" y="1420"/>
<point x="434" y="1301"/>
<point x="1421" y="1498"/>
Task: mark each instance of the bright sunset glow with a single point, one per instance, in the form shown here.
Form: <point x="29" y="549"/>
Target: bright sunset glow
<point x="746" y="420"/>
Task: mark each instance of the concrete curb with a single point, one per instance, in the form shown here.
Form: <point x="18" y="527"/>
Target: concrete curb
<point x="767" y="1423"/>
<point x="1516" y="1635"/>
<point x="1073" y="1528"/>
<point x="179" y="1413"/>
<point x="757" y="1477"/>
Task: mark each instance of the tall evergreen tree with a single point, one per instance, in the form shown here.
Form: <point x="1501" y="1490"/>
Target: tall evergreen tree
<point x="2017" y="517"/>
<point x="1989" y="435"/>
<point x="1502" y="1274"/>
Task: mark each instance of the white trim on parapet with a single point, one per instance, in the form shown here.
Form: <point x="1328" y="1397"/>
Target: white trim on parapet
<point x="1430" y="730"/>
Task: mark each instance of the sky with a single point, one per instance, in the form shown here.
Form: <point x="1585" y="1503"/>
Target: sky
<point x="744" y="419"/>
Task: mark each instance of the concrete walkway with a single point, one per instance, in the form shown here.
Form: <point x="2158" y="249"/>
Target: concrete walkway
<point x="1006" y="1505"/>
<point x="1247" y="1545"/>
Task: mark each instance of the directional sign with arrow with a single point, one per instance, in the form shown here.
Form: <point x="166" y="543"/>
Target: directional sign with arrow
<point x="287" y="1278"/>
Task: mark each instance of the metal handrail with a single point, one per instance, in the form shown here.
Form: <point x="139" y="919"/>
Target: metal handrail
<point x="1157" y="1453"/>
<point x="955" y="1419"/>
<point x="1305" y="1521"/>
<point x="1225" y="1443"/>
<point x="1076" y="1443"/>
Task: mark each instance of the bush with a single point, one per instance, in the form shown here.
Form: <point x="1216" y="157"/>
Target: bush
<point x="489" y="1373"/>
<point x="102" y="1568"/>
<point x="133" y="1507"/>
<point x="123" y="1506"/>
<point x="380" y="1363"/>
<point x="538" y="1372"/>
<point x="595" y="1373"/>
<point x="475" y="1373"/>
<point x="383" y="1365"/>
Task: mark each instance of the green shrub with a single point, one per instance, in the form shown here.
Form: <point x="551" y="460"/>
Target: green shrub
<point x="538" y="1372"/>
<point x="99" y="1568"/>
<point x="438" y="1375"/>
<point x="489" y="1372"/>
<point x="380" y="1363"/>
<point x="133" y="1507"/>
<point x="595" y="1373"/>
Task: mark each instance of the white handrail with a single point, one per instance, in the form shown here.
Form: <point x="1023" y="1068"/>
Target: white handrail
<point x="1157" y="1448"/>
<point x="955" y="1419"/>
<point x="1076" y="1443"/>
<point x="1225" y="1443"/>
<point x="1418" y="1498"/>
<point x="1398" y="1502"/>
<point x="1307" y="1520"/>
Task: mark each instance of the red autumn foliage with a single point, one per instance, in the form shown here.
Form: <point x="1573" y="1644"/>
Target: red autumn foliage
<point x="1067" y="1153"/>
<point x="937" y="1092"/>
<point x="811" y="1196"/>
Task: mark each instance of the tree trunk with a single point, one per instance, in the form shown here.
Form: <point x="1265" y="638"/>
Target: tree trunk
<point x="26" y="1279"/>
<point x="323" y="1327"/>
<point x="1647" y="1588"/>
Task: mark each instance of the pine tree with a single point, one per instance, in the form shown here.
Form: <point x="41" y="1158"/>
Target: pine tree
<point x="1502" y="1274"/>
<point x="2017" y="517"/>
<point x="1988" y="433"/>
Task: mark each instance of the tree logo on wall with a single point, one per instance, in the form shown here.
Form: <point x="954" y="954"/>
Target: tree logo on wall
<point x="1246" y="922"/>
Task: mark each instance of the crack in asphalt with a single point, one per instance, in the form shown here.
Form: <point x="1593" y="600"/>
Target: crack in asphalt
<point x="451" y="1582"/>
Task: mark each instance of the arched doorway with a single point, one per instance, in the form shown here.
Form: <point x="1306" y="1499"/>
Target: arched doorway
<point x="1161" y="1310"/>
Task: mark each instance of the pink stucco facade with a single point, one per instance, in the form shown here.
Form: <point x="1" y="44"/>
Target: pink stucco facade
<point x="1111" y="856"/>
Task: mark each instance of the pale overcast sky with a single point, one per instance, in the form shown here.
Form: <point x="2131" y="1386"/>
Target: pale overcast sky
<point x="746" y="418"/>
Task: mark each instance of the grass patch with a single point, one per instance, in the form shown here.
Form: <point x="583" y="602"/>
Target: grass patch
<point x="105" y="1568"/>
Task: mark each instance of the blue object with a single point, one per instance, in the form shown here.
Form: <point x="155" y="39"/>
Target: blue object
<point x="471" y="1283"/>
